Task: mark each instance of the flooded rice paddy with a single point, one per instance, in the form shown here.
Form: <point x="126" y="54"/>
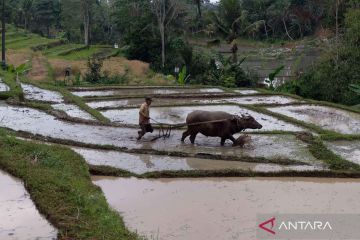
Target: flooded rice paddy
<point x="143" y="163"/>
<point x="176" y="115"/>
<point x="135" y="102"/>
<point x="147" y="91"/>
<point x="221" y="208"/>
<point x="38" y="94"/>
<point x="37" y="122"/>
<point x="346" y="149"/>
<point x="3" y="86"/>
<point x="19" y="217"/>
<point x="328" y="118"/>
<point x="247" y="92"/>
<point x="73" y="111"/>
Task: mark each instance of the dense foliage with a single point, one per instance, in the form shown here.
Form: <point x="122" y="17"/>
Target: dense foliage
<point x="161" y="32"/>
<point x="330" y="79"/>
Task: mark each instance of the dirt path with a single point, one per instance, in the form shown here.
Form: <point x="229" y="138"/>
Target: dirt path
<point x="39" y="70"/>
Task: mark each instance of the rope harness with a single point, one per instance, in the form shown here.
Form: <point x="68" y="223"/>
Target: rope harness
<point x="165" y="128"/>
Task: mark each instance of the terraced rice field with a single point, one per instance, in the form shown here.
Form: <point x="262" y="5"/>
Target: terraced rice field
<point x="290" y="144"/>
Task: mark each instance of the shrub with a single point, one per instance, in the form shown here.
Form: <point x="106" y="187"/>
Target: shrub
<point x="94" y="70"/>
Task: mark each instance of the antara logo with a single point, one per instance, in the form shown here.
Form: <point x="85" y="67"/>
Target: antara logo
<point x="268" y="222"/>
<point x="269" y="226"/>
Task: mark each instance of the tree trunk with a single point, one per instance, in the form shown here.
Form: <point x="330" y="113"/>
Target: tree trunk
<point x="198" y="2"/>
<point x="286" y="29"/>
<point x="162" y="34"/>
<point x="86" y="25"/>
<point x="266" y="32"/>
<point x="337" y="20"/>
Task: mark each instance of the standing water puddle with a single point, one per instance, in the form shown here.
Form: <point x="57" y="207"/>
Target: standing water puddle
<point x="176" y="115"/>
<point x="222" y="208"/>
<point x="348" y="150"/>
<point x="147" y="91"/>
<point x="37" y="122"/>
<point x="3" y="86"/>
<point x="135" y="102"/>
<point x="38" y="94"/>
<point x="143" y="163"/>
<point x="19" y="217"/>
<point x="328" y="118"/>
<point x="73" y="111"/>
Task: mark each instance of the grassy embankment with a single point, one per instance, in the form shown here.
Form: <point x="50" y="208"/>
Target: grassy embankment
<point x="58" y="181"/>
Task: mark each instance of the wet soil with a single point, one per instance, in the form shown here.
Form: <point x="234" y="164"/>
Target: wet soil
<point x="221" y="208"/>
<point x="247" y="92"/>
<point x="348" y="150"/>
<point x="73" y="111"/>
<point x="37" y="122"/>
<point x="146" y="91"/>
<point x="143" y="163"/>
<point x="38" y="94"/>
<point x="19" y="217"/>
<point x="177" y="115"/>
<point x="135" y="102"/>
<point x="328" y="118"/>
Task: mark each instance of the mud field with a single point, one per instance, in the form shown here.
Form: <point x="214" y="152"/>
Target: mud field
<point x="136" y="102"/>
<point x="146" y="91"/>
<point x="325" y="117"/>
<point x="207" y="208"/>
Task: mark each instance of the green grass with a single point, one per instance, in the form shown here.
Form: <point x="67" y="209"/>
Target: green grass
<point x="55" y="51"/>
<point x="109" y="171"/>
<point x="82" y="54"/>
<point x="34" y="40"/>
<point x="58" y="181"/>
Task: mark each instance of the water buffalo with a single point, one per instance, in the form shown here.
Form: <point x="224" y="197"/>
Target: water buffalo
<point x="218" y="124"/>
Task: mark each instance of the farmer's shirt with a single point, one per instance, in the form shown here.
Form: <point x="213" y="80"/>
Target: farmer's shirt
<point x="144" y="114"/>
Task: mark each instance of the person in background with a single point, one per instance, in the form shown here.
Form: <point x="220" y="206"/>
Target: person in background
<point x="144" y="118"/>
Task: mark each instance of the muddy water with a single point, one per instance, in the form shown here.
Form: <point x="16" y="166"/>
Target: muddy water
<point x="219" y="208"/>
<point x="3" y="87"/>
<point x="247" y="92"/>
<point x="34" y="93"/>
<point x="175" y="115"/>
<point x="73" y="111"/>
<point x="143" y="163"/>
<point x="348" y="150"/>
<point x="147" y="91"/>
<point x="37" y="122"/>
<point x="19" y="217"/>
<point x="135" y="102"/>
<point x="328" y="118"/>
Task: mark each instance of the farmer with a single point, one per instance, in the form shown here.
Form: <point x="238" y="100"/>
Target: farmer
<point x="144" y="118"/>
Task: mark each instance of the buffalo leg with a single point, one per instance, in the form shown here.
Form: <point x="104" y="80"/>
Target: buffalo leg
<point x="223" y="141"/>
<point x="232" y="139"/>
<point x="192" y="138"/>
<point x="185" y="135"/>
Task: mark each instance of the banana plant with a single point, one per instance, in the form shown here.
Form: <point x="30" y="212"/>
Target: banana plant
<point x="355" y="88"/>
<point x="19" y="70"/>
<point x="272" y="77"/>
<point x="183" y="77"/>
